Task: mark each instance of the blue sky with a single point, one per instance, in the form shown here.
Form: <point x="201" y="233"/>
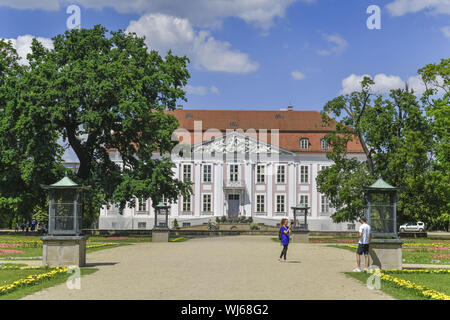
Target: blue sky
<point x="245" y="54"/>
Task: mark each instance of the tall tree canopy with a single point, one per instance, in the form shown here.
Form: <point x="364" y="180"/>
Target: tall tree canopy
<point x="97" y="91"/>
<point x="405" y="141"/>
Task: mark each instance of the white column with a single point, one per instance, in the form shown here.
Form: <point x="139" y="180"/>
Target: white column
<point x="291" y="187"/>
<point x="174" y="206"/>
<point x="197" y="193"/>
<point x="270" y="194"/>
<point x="248" y="191"/>
<point x="315" y="195"/>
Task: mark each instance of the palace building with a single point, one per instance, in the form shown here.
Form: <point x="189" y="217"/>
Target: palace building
<point x="255" y="164"/>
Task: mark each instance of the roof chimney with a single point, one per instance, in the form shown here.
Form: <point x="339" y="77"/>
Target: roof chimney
<point x="290" y="108"/>
<point x="180" y="107"/>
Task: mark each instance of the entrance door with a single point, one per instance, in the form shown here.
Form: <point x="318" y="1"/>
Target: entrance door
<point x="233" y="205"/>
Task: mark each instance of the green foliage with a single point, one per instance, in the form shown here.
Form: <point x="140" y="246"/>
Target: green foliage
<point x="405" y="140"/>
<point x="175" y="223"/>
<point x="97" y="91"/>
<point x="217" y="220"/>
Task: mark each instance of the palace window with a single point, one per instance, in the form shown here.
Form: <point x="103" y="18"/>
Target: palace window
<point x="304" y="174"/>
<point x="142" y="205"/>
<point x="187" y="171"/>
<point x="207" y="173"/>
<point x="234" y="172"/>
<point x="324" y="205"/>
<point x="281" y="174"/>
<point x="281" y="203"/>
<point x="260" y="203"/>
<point x="187" y="204"/>
<point x="206" y="206"/>
<point x="324" y="144"/>
<point x="304" y="143"/>
<point x="260" y="174"/>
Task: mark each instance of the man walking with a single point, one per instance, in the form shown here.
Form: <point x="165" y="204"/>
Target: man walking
<point x="365" y="236"/>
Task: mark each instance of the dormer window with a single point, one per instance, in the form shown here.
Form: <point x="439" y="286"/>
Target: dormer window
<point x="324" y="144"/>
<point x="304" y="143"/>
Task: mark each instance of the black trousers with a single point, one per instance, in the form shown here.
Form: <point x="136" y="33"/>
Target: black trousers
<point x="284" y="251"/>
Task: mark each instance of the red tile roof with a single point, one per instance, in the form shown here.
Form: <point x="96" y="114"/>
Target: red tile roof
<point x="292" y="126"/>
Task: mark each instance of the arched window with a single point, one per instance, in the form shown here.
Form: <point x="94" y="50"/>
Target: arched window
<point x="304" y="143"/>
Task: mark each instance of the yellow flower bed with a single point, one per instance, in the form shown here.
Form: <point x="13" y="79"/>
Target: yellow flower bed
<point x="22" y="267"/>
<point x="24" y="243"/>
<point x="32" y="279"/>
<point x="101" y="245"/>
<point x="431" y="271"/>
<point x="176" y="239"/>
<point x="350" y="246"/>
<point x="427" y="292"/>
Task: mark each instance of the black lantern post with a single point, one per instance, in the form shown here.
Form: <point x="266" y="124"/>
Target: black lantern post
<point x="385" y="249"/>
<point x="381" y="208"/>
<point x="64" y="245"/>
<point x="300" y="228"/>
<point x="65" y="208"/>
<point x="300" y="210"/>
<point x="161" y="216"/>
<point x="160" y="231"/>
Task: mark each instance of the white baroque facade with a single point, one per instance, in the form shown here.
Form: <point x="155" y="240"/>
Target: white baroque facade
<point x="237" y="175"/>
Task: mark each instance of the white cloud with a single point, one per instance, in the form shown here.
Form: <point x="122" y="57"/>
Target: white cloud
<point x="23" y="45"/>
<point x="383" y="83"/>
<point x="200" y="90"/>
<point x="214" y="90"/>
<point x="446" y="31"/>
<point x="297" y="75"/>
<point x="340" y="44"/>
<point x="164" y="32"/>
<point x="402" y="7"/>
<point x="260" y="13"/>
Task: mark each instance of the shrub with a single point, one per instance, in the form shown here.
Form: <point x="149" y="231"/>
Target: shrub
<point x="217" y="220"/>
<point x="175" y="223"/>
<point x="254" y="226"/>
<point x="250" y="220"/>
<point x="223" y="219"/>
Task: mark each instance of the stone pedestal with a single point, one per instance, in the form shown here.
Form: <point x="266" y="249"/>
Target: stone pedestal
<point x="386" y="253"/>
<point x="160" y="236"/>
<point x="63" y="251"/>
<point x="300" y="236"/>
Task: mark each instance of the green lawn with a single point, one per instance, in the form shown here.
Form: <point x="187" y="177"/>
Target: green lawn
<point x="9" y="276"/>
<point x="438" y="282"/>
<point x="421" y="255"/>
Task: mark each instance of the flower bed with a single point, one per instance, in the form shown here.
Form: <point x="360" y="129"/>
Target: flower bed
<point x="420" y="289"/>
<point x="6" y="251"/>
<point x="32" y="280"/>
<point x="101" y="245"/>
<point x="9" y="245"/>
<point x="113" y="238"/>
<point x="22" y="243"/>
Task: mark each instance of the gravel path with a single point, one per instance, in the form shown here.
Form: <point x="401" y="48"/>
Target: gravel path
<point x="242" y="267"/>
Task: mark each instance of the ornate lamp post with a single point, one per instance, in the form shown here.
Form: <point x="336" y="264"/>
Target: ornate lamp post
<point x="160" y="231"/>
<point x="381" y="212"/>
<point x="64" y="245"/>
<point x="300" y="228"/>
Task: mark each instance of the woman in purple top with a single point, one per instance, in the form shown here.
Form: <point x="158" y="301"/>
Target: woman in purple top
<point x="285" y="232"/>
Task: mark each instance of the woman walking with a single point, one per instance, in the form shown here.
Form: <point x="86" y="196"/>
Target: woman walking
<point x="285" y="233"/>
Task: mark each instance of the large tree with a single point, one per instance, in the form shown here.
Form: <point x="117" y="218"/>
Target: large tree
<point x="399" y="140"/>
<point x="100" y="91"/>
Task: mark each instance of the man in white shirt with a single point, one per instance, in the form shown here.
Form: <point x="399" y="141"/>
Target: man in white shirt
<point x="365" y="236"/>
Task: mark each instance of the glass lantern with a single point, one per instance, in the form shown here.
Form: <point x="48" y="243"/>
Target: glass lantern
<point x="381" y="208"/>
<point x="65" y="208"/>
<point x="161" y="216"/>
<point x="300" y="211"/>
